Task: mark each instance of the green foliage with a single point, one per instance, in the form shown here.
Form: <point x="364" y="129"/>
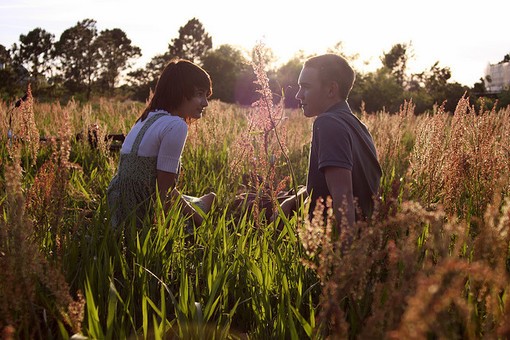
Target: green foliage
<point x="115" y="50"/>
<point x="377" y="91"/>
<point x="238" y="276"/>
<point x="35" y="53"/>
<point x="78" y="56"/>
<point x="396" y="61"/>
<point x="89" y="63"/>
<point x="192" y="44"/>
<point x="504" y="98"/>
<point x="225" y="66"/>
<point x="218" y="280"/>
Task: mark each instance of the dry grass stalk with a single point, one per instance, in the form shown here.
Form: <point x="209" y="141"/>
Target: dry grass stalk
<point x="22" y="127"/>
<point x="47" y="197"/>
<point x="389" y="133"/>
<point x="475" y="159"/>
<point x="25" y="270"/>
<point x="412" y="274"/>
<point x="215" y="129"/>
<point x="427" y="159"/>
<point x="458" y="160"/>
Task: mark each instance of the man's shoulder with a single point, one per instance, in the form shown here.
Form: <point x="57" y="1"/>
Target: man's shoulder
<point x="337" y="112"/>
<point x="330" y="119"/>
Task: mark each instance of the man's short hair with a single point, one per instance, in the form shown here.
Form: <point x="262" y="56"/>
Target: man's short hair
<point x="335" y="68"/>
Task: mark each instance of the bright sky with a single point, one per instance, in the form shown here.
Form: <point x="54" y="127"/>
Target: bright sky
<point x="464" y="35"/>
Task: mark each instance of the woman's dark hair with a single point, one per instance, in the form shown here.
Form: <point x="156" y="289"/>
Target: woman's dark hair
<point x="335" y="68"/>
<point x="180" y="79"/>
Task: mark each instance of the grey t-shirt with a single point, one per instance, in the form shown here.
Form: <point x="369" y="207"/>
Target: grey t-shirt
<point x="341" y="140"/>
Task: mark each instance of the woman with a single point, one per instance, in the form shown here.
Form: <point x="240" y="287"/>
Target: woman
<point x="150" y="154"/>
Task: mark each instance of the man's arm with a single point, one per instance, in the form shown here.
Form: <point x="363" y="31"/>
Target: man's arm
<point x="339" y="181"/>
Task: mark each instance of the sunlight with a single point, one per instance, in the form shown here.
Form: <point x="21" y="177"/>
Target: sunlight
<point x="367" y="28"/>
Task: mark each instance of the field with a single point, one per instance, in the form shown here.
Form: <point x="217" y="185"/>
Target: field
<point x="433" y="263"/>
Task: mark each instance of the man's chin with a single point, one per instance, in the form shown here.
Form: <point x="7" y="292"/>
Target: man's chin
<point x="308" y="113"/>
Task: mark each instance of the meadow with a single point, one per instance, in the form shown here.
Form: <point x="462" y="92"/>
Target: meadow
<point x="432" y="263"/>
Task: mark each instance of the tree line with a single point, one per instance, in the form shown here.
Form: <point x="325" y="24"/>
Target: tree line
<point x="84" y="63"/>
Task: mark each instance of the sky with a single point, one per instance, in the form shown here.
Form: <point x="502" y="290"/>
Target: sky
<point x="463" y="35"/>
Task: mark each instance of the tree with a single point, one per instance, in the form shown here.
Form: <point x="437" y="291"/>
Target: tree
<point x="14" y="78"/>
<point x="35" y="53"/>
<point x="77" y="54"/>
<point x="479" y="87"/>
<point x="396" y="61"/>
<point x="437" y="77"/>
<point x="432" y="87"/>
<point x="192" y="44"/>
<point x="225" y="65"/>
<point x="379" y="90"/>
<point x="504" y="98"/>
<point x="142" y="80"/>
<point x="338" y="48"/>
<point x="114" y="52"/>
<point x="436" y="84"/>
<point x="452" y="93"/>
<point x="5" y="57"/>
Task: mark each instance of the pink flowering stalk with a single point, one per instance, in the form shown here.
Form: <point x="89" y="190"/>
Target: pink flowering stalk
<point x="266" y="146"/>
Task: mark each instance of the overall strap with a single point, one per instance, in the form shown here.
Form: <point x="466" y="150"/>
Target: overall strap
<point x="141" y="133"/>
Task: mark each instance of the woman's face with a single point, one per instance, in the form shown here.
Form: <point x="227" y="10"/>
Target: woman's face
<point x="193" y="107"/>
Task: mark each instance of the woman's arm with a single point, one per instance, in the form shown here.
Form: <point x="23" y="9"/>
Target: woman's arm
<point x="166" y="182"/>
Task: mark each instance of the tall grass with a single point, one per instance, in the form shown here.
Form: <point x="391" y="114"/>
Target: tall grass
<point x="432" y="262"/>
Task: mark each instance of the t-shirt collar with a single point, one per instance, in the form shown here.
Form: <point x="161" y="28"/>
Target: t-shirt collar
<point x="161" y="111"/>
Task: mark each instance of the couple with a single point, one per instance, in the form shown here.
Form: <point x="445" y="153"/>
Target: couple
<point x="343" y="161"/>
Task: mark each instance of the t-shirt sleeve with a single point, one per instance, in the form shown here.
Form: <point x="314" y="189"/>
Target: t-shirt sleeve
<point x="172" y="144"/>
<point x="334" y="143"/>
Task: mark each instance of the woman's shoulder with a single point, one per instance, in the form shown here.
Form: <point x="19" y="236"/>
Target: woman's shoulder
<point x="171" y="124"/>
<point x="167" y="118"/>
<point x="175" y="122"/>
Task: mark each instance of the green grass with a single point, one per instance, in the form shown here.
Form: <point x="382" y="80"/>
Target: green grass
<point x="238" y="276"/>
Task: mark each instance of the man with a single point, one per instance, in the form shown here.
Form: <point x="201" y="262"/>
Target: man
<point x="343" y="160"/>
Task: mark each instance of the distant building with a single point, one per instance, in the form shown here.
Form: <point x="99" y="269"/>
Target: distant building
<point x="497" y="77"/>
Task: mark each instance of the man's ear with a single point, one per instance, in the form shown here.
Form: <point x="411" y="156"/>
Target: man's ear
<point x="333" y="89"/>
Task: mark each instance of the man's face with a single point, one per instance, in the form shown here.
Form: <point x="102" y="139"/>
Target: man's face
<point x="312" y="94"/>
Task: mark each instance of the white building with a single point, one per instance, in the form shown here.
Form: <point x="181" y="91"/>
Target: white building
<point x="499" y="76"/>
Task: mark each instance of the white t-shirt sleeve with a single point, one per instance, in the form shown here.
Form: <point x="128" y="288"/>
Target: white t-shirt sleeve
<point x="173" y="138"/>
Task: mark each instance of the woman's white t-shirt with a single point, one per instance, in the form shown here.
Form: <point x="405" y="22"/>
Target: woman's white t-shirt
<point x="164" y="139"/>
